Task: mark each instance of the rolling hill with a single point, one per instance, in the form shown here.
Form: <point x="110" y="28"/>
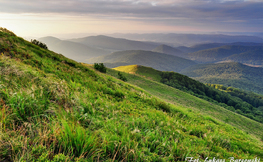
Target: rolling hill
<point x="146" y="58"/>
<point x="169" y="50"/>
<point x="115" y="44"/>
<point x="223" y="52"/>
<point x="253" y="57"/>
<point x="55" y="109"/>
<point x="200" y="47"/>
<point x="228" y="74"/>
<point x="75" y="51"/>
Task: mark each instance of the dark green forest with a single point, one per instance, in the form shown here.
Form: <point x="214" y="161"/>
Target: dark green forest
<point x="235" y="103"/>
<point x="254" y="99"/>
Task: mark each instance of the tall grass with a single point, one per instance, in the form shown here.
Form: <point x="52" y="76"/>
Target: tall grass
<point x="55" y="109"/>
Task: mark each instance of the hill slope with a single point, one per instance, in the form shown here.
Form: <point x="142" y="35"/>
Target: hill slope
<point x="169" y="50"/>
<point x="228" y="74"/>
<point x="115" y="44"/>
<point x="146" y="58"/>
<point x="55" y="109"/>
<point x="72" y="50"/>
<point x="253" y="57"/>
<point x="223" y="52"/>
<point x="184" y="83"/>
<point x="149" y="79"/>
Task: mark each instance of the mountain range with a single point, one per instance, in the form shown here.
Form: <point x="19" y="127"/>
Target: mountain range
<point x="189" y="39"/>
<point x="114" y="44"/>
<point x="228" y="74"/>
<point x="113" y="53"/>
<point x="75" y="51"/>
<point x="236" y="53"/>
<point x="156" y="60"/>
<point x="169" y="50"/>
<point x="204" y="46"/>
<point x="85" y="48"/>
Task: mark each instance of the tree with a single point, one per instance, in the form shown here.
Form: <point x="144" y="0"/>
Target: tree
<point x="38" y="43"/>
<point x="121" y="77"/>
<point x="100" y="67"/>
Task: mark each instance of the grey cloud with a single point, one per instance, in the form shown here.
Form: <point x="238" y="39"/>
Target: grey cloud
<point x="221" y="10"/>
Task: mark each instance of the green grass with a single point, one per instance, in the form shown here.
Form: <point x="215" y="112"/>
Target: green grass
<point x="55" y="109"/>
<point x="189" y="102"/>
<point x="146" y="72"/>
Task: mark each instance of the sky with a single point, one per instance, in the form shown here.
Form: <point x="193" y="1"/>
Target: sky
<point x="73" y="18"/>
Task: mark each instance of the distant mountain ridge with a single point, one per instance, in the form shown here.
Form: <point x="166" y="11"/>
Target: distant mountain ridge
<point x="224" y="53"/>
<point x="115" y="44"/>
<point x="169" y="50"/>
<point x="85" y="48"/>
<point x="73" y="50"/>
<point x="205" y="46"/>
<point x="189" y="39"/>
<point x="228" y="74"/>
<point x="155" y="60"/>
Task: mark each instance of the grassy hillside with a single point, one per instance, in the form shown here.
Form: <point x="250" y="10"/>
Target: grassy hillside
<point x="110" y="43"/>
<point x="146" y="58"/>
<point x="144" y="71"/>
<point x="55" y="109"/>
<point x="228" y="74"/>
<point x="184" y="83"/>
<point x="183" y="99"/>
<point x="73" y="50"/>
<point x="170" y="50"/>
<point x="221" y="53"/>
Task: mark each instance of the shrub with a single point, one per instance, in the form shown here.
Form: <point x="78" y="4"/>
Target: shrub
<point x="100" y="67"/>
<point x="38" y="43"/>
<point x="121" y="77"/>
<point x="164" y="106"/>
<point x="60" y="158"/>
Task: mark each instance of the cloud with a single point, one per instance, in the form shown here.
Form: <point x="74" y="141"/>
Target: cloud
<point x="140" y="8"/>
<point x="169" y="12"/>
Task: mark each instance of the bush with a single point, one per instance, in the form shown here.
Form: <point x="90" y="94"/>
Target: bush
<point x="38" y="43"/>
<point x="100" y="67"/>
<point x="121" y="77"/>
<point x="163" y="106"/>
